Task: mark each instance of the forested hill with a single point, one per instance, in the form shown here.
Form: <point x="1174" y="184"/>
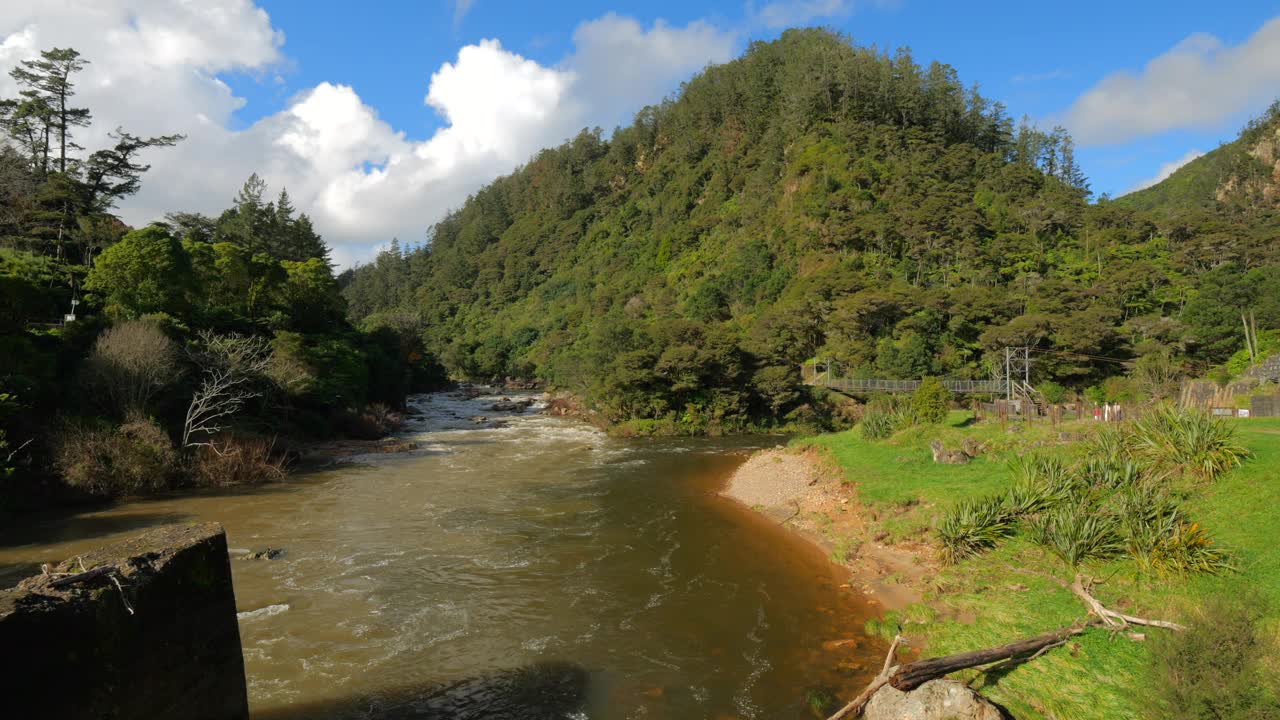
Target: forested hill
<point x="810" y="199"/>
<point x="1243" y="175"/>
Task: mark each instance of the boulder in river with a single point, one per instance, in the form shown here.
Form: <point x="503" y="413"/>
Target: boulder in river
<point x="942" y="699"/>
<point x="269" y="553"/>
<point x="513" y="406"/>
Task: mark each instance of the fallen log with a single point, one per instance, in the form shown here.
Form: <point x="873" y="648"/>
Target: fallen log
<point x="914" y="674"/>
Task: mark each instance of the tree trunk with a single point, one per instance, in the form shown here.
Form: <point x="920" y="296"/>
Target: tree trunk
<point x="913" y="675"/>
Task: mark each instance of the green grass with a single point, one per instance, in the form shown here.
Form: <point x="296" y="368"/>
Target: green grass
<point x="899" y="476"/>
<point x="1019" y="589"/>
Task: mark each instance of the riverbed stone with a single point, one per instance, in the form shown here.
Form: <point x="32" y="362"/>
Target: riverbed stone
<point x="163" y="643"/>
<point x="935" y="700"/>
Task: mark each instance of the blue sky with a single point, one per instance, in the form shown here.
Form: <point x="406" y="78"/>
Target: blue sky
<point x="382" y="116"/>
<point x="1034" y="57"/>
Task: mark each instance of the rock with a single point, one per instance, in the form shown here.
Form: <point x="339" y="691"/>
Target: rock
<point x="947" y="457"/>
<point x="506" y="405"/>
<point x="263" y="554"/>
<point x="163" y="643"/>
<point x="935" y="700"/>
<point x="972" y="447"/>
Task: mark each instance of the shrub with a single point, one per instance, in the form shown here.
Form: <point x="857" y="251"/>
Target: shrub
<point x="136" y="457"/>
<point x="1159" y="537"/>
<point x="877" y="425"/>
<point x="1095" y="394"/>
<point x="1054" y="393"/>
<point x="1217" y="668"/>
<point x="885" y="415"/>
<point x="1076" y="534"/>
<point x="972" y="527"/>
<point x="1040" y="483"/>
<point x="237" y="461"/>
<point x="931" y="401"/>
<point x="1188" y="442"/>
<point x="1119" y="389"/>
<point x="130" y="363"/>
<point x="1157" y="375"/>
<point x="375" y="421"/>
<point x="1221" y="376"/>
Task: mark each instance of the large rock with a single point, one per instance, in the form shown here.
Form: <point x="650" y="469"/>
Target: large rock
<point x="935" y="700"/>
<point x="162" y="643"/>
<point x="947" y="457"/>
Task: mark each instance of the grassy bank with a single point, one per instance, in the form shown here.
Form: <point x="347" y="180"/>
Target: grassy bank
<point x="1019" y="588"/>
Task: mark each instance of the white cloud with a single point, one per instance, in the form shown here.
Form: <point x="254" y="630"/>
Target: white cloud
<point x="154" y="68"/>
<point x="1165" y="171"/>
<point x="1200" y="82"/>
<point x="616" y="61"/>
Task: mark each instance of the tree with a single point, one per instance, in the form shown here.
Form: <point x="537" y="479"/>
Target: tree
<point x="247" y="221"/>
<point x="114" y="173"/>
<point x="310" y="295"/>
<point x="47" y="90"/>
<point x="146" y="272"/>
<point x="230" y="365"/>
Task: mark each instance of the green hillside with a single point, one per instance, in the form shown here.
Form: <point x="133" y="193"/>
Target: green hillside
<point x="810" y="199"/>
<point x="1242" y="173"/>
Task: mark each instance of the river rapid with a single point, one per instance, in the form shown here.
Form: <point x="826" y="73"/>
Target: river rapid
<point x="537" y="569"/>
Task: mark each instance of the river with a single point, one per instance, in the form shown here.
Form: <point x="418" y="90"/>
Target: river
<point x="582" y="575"/>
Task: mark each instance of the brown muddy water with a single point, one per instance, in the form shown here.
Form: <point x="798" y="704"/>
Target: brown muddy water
<point x="536" y="570"/>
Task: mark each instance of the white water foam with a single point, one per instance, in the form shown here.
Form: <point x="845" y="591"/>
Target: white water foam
<point x="267" y="611"/>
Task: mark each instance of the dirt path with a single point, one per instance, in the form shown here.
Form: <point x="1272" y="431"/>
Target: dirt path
<point x="804" y="492"/>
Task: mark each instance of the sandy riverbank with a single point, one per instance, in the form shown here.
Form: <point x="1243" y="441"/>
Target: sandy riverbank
<point x="803" y="491"/>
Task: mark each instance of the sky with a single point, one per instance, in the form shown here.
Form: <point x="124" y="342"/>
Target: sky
<point x="379" y="117"/>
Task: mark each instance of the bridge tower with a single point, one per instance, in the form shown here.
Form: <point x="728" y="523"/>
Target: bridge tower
<point x="1017" y="380"/>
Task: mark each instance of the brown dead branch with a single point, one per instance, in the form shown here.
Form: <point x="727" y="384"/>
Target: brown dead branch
<point x="854" y="708"/>
<point x="1113" y="618"/>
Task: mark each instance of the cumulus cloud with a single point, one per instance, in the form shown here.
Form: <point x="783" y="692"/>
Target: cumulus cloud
<point x="1200" y="82"/>
<point x="617" y="61"/>
<point x="155" y="70"/>
<point x="1165" y="171"/>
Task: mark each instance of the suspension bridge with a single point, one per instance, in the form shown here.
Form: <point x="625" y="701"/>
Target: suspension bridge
<point x="1012" y="379"/>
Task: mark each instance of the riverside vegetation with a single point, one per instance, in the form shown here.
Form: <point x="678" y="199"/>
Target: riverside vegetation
<point x="197" y="341"/>
<point x="1173" y="516"/>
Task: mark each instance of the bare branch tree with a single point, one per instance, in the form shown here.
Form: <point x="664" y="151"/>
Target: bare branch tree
<point x="231" y="365"/>
<point x="131" y="362"/>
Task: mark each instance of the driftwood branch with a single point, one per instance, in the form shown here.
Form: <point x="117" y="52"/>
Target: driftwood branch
<point x="1113" y="618"/>
<point x="854" y="708"/>
<point x="82" y="577"/>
